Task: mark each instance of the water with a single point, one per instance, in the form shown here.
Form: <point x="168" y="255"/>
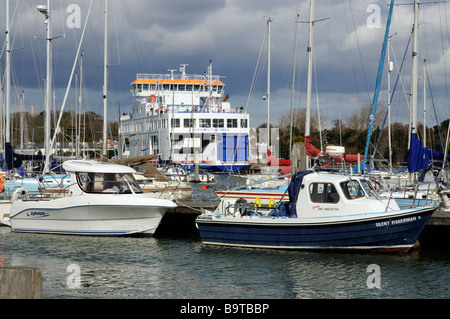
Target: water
<point x="133" y="267"/>
<point x="179" y="266"/>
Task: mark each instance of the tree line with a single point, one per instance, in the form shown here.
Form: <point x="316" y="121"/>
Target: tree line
<point x="352" y="134"/>
<point x="89" y="126"/>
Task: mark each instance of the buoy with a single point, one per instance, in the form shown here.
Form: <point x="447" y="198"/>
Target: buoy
<point x="2" y="183"/>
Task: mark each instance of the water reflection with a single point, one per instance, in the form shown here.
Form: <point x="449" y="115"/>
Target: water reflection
<point x="132" y="267"/>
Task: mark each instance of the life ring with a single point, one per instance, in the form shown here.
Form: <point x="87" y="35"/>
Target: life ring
<point x="2" y="183"/>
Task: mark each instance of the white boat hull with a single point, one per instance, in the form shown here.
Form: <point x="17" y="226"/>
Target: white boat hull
<point x="111" y="217"/>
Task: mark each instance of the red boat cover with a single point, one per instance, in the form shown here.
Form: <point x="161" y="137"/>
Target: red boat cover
<point x="272" y="160"/>
<point x="311" y="150"/>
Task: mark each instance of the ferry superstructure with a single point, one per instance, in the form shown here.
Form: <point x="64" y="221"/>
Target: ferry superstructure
<point x="184" y="119"/>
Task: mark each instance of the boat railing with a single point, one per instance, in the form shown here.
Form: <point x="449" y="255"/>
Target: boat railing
<point x="190" y="77"/>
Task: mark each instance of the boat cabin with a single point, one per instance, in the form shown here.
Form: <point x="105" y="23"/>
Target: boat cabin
<point x="319" y="194"/>
<point x="101" y="178"/>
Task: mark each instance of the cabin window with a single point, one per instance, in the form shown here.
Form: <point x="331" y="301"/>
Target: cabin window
<point x="189" y="123"/>
<point x="231" y="123"/>
<point x="218" y="123"/>
<point x="352" y="189"/>
<point x="323" y="193"/>
<point x="244" y="123"/>
<point x="107" y="183"/>
<point x="204" y="122"/>
<point x="145" y="87"/>
<point x="368" y="188"/>
<point x="175" y="122"/>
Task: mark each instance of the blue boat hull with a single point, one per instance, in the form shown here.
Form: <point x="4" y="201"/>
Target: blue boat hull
<point x="390" y="234"/>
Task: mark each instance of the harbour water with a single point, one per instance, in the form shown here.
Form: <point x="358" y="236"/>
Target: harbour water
<point x="176" y="266"/>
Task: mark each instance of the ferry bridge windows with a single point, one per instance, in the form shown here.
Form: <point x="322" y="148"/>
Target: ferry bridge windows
<point x="189" y="123"/>
<point x="231" y="123"/>
<point x="323" y="193"/>
<point x="175" y="122"/>
<point x="218" y="123"/>
<point x="205" y="123"/>
<point x="244" y="123"/>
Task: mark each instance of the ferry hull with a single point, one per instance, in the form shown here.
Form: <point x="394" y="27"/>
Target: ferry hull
<point x="381" y="234"/>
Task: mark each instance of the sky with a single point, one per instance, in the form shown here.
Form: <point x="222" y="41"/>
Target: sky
<point x="152" y="36"/>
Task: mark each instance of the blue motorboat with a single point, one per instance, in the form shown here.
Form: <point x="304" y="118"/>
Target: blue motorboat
<point x="325" y="211"/>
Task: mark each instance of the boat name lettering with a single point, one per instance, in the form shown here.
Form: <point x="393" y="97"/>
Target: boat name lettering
<point x="396" y="221"/>
<point x="325" y="208"/>
<point x="37" y="214"/>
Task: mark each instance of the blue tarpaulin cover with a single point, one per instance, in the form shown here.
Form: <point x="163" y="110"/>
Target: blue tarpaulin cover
<point x="419" y="156"/>
<point x="288" y="209"/>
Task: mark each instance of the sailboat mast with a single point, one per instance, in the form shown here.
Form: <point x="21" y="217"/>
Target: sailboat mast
<point x="293" y="86"/>
<point x="8" y="78"/>
<point x="48" y="83"/>
<point x="309" y="77"/>
<point x="389" y="102"/>
<point x="414" y="69"/>
<point x="269" y="22"/>
<point x="105" y="84"/>
<point x="424" y="103"/>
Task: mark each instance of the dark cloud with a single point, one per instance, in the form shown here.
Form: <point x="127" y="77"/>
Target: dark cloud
<point x="154" y="36"/>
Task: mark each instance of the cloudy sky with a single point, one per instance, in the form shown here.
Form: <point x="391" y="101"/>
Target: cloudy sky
<point x="152" y="36"/>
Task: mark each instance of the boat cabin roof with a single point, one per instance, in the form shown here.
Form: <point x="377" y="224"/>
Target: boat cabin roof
<point x="91" y="166"/>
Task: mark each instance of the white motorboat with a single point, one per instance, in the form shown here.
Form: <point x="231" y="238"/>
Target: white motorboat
<point x="102" y="199"/>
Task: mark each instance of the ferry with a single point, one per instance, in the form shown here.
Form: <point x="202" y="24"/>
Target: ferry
<point x="186" y="119"/>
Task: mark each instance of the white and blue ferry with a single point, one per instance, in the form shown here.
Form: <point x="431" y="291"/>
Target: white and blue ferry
<point x="186" y="119"/>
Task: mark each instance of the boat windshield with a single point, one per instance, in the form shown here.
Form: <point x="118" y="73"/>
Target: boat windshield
<point x="368" y="188"/>
<point x="108" y="183"/>
<point x="352" y="189"/>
